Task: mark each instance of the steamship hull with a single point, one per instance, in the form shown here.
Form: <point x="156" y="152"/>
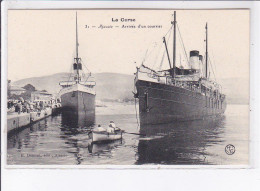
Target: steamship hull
<point x="162" y="103"/>
<point x="79" y="103"/>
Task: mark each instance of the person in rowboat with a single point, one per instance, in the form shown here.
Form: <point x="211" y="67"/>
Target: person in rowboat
<point x="112" y="124"/>
<point x="99" y="128"/>
<point x="112" y="127"/>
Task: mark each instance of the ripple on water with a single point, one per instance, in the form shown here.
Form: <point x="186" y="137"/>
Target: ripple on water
<point x="60" y="141"/>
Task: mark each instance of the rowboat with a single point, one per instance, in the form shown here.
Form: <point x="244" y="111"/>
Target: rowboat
<point x="102" y="136"/>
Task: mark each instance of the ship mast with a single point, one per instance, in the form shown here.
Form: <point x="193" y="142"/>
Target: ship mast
<point x="77" y="45"/>
<point x="174" y="45"/>
<point x="206" y="50"/>
<point x="169" y="60"/>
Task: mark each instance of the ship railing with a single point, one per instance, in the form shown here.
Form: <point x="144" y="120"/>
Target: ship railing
<point x="174" y="82"/>
<point x="165" y="79"/>
<point x="153" y="75"/>
<point x="88" y="83"/>
<point x="150" y="75"/>
<point x="183" y="84"/>
<point x="67" y="83"/>
<point x="70" y="83"/>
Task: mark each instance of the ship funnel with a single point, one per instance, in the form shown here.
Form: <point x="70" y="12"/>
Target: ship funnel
<point x="77" y="66"/>
<point x="194" y="59"/>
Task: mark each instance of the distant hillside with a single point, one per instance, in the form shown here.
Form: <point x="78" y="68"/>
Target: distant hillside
<point x="114" y="86"/>
<point x="110" y="86"/>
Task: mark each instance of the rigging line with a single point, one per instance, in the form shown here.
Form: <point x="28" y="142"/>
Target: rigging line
<point x="182" y="50"/>
<point x="185" y="59"/>
<point x="147" y="50"/>
<point x="212" y="70"/>
<point x="164" y="51"/>
<point x="145" y="56"/>
<point x="160" y="67"/>
<point x="155" y="61"/>
<point x="215" y="67"/>
<point x="156" y="42"/>
<point x="85" y="65"/>
<point x="82" y="62"/>
<point x="182" y="43"/>
<point x="87" y="77"/>
<point x="211" y="63"/>
<point x="83" y="75"/>
<point x="170" y="30"/>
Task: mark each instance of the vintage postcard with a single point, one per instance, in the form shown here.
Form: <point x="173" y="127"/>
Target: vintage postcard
<point x="127" y="87"/>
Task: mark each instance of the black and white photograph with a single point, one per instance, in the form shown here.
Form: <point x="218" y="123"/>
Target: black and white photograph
<point x="128" y="87"/>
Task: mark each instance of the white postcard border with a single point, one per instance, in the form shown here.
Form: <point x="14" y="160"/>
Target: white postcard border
<point x="137" y="5"/>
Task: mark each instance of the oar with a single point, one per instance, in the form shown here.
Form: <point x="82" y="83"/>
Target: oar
<point x="135" y="134"/>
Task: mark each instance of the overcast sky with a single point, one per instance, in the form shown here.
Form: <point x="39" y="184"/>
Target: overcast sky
<point x="42" y="42"/>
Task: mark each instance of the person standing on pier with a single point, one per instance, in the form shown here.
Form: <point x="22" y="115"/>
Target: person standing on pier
<point x="27" y="106"/>
<point x="19" y="107"/>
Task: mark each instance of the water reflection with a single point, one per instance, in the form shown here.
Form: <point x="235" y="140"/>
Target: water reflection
<point x="60" y="139"/>
<point x="193" y="142"/>
<point x="101" y="148"/>
<point x="180" y="143"/>
<point x="79" y="120"/>
<point x="25" y="137"/>
<point x="75" y="131"/>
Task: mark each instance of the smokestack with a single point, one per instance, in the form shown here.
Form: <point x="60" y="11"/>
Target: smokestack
<point x="77" y="67"/>
<point x="194" y="53"/>
<point x="194" y="59"/>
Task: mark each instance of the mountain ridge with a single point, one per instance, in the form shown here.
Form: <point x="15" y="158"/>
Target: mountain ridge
<point x="117" y="86"/>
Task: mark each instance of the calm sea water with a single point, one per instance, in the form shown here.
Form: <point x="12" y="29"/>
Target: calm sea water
<point x="58" y="140"/>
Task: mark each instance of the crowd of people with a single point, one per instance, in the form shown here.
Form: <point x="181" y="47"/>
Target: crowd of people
<point x="26" y="106"/>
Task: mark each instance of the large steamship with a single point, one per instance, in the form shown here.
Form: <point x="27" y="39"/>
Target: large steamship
<point x="78" y="93"/>
<point x="178" y="93"/>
